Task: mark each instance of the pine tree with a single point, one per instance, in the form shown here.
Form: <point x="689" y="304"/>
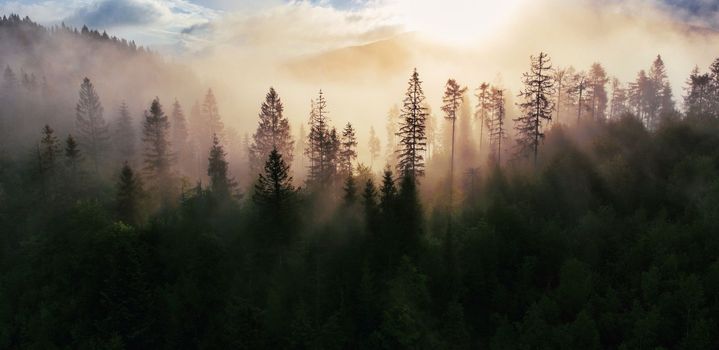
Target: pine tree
<point x="348" y="151"/>
<point x="323" y="144"/>
<point x="350" y="191"/>
<point x="180" y="134"/>
<point x="482" y="114"/>
<point x="697" y="102"/>
<point x="129" y="196"/>
<point x="497" y="132"/>
<point x="73" y="157"/>
<point x="273" y="131"/>
<point x="220" y="184"/>
<point x="157" y="147"/>
<point x="210" y="116"/>
<point x="560" y="79"/>
<point x="374" y="146"/>
<point x="639" y="92"/>
<point x="536" y="108"/>
<point x="388" y="192"/>
<point x="124" y="137"/>
<point x="452" y="100"/>
<point x="92" y="129"/>
<point x="48" y="153"/>
<point x="596" y="92"/>
<point x="274" y="190"/>
<point x="619" y="100"/>
<point x="369" y="202"/>
<point x="412" y="138"/>
<point x="654" y="96"/>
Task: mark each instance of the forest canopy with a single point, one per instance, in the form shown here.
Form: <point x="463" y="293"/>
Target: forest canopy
<point x="578" y="212"/>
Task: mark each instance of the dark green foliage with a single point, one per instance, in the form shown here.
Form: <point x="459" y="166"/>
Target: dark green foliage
<point x="91" y="125"/>
<point x="129" y="196"/>
<point x="221" y="184"/>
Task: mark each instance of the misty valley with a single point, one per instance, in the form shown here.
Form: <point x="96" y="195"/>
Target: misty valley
<point x="562" y="208"/>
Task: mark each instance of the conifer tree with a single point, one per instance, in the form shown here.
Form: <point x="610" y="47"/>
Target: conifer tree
<point x="697" y="102"/>
<point x="129" y="196"/>
<point x="484" y="106"/>
<point x="369" y="202"/>
<point x="273" y="131"/>
<point x="124" y="137"/>
<point x="655" y="100"/>
<point x="180" y="133"/>
<point x="220" y="183"/>
<point x="157" y="147"/>
<point x="350" y="191"/>
<point x="597" y="93"/>
<point x="497" y="132"/>
<point x="452" y="100"/>
<point x="560" y="79"/>
<point x="619" y="100"/>
<point x="92" y="128"/>
<point x="412" y="138"/>
<point x="48" y="153"/>
<point x="388" y="192"/>
<point x="536" y="108"/>
<point x="211" y="119"/>
<point x="323" y="144"/>
<point x="274" y="190"/>
<point x="639" y="92"/>
<point x="73" y="157"/>
<point x="348" y="151"/>
<point x="374" y="146"/>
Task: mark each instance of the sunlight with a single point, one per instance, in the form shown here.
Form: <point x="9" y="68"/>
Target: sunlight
<point x="455" y="21"/>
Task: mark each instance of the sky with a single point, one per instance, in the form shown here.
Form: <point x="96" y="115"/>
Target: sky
<point x="361" y="52"/>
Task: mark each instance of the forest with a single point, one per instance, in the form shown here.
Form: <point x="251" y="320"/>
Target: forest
<point x="580" y="212"/>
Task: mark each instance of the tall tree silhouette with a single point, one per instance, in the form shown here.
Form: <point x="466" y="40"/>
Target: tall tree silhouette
<point x="597" y="93"/>
<point x="537" y="107"/>
<point x="497" y="132"/>
<point x="48" y="153"/>
<point x="322" y="144"/>
<point x="483" y="109"/>
<point x="129" y="196"/>
<point x="452" y="101"/>
<point x="92" y="128"/>
<point x="180" y="134"/>
<point x="220" y="182"/>
<point x="348" y="150"/>
<point x="412" y="137"/>
<point x="619" y="102"/>
<point x="373" y="146"/>
<point x="561" y="77"/>
<point x="73" y="156"/>
<point x="274" y="190"/>
<point x="157" y="153"/>
<point x="697" y="101"/>
<point x="211" y="119"/>
<point x="124" y="137"/>
<point x="273" y="131"/>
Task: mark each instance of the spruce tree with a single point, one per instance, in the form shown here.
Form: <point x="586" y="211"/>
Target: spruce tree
<point x="274" y="190"/>
<point x="48" y="153"/>
<point x="350" y="191"/>
<point x="388" y="192"/>
<point x="482" y="114"/>
<point x="348" y="151"/>
<point x="412" y="138"/>
<point x="92" y="128"/>
<point x="273" y="131"/>
<point x="220" y="183"/>
<point x="452" y="100"/>
<point x="497" y="132"/>
<point x="697" y="102"/>
<point x="369" y="202"/>
<point x="655" y="95"/>
<point x="211" y="119"/>
<point x="374" y="146"/>
<point x="129" y="196"/>
<point x="180" y="134"/>
<point x="619" y="100"/>
<point x="597" y="93"/>
<point x="537" y="108"/>
<point x="124" y="136"/>
<point x="323" y="144"/>
<point x="73" y="157"/>
<point x="157" y="147"/>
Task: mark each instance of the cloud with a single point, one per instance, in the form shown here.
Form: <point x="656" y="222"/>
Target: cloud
<point x="112" y="13"/>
